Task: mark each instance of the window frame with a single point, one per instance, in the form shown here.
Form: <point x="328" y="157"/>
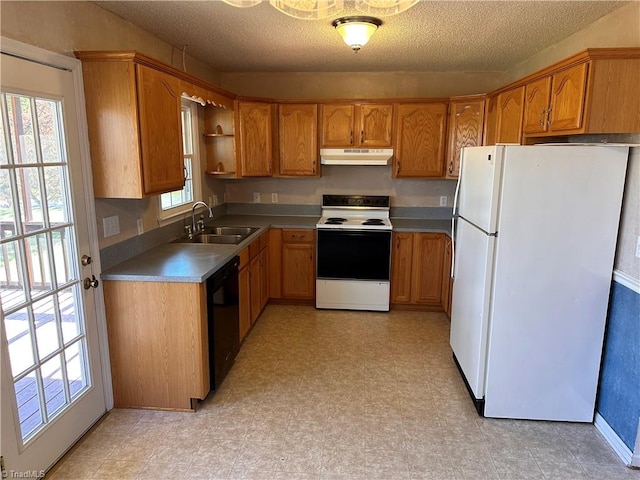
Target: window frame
<point x="196" y="186"/>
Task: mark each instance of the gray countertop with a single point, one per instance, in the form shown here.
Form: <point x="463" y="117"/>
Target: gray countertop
<point x="194" y="263"/>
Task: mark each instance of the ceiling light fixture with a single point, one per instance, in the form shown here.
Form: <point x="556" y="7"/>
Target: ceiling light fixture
<point x="356" y="31"/>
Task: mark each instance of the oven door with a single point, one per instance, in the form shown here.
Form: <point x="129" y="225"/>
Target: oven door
<point x="354" y="254"/>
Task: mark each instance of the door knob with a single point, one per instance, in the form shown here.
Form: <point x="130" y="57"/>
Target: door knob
<point x="91" y="282"/>
<point x="86" y="260"/>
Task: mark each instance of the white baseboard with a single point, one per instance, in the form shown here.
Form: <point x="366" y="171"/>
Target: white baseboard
<point x="635" y="460"/>
<point x="613" y="439"/>
<point x="627" y="280"/>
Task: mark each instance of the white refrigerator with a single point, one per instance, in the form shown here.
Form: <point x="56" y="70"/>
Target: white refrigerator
<point x="534" y="244"/>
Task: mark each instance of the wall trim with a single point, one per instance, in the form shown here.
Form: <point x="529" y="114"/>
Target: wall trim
<point x="626" y="280"/>
<point x="612" y="439"/>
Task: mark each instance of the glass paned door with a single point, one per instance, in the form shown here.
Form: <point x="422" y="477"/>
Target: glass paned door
<point x="52" y="372"/>
<point x="46" y="343"/>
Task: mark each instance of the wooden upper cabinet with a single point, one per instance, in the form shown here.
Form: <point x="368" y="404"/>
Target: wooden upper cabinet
<point x="160" y="130"/>
<point x="135" y="128"/>
<point x="556" y="102"/>
<point x="298" y="128"/>
<point x="420" y="140"/>
<point x="568" y="89"/>
<point x="375" y="124"/>
<point x="509" y="116"/>
<point x="536" y="105"/>
<point x="337" y="125"/>
<point x="255" y="143"/>
<point x="593" y="92"/>
<point x="490" y="120"/>
<point x="466" y="119"/>
<point x="363" y="125"/>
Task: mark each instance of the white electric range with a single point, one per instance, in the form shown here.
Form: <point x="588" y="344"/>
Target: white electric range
<point x="354" y="253"/>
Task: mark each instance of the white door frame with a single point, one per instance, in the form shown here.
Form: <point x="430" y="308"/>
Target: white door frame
<point x="35" y="54"/>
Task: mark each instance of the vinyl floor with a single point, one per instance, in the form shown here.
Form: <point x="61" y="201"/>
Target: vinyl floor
<point x="328" y="395"/>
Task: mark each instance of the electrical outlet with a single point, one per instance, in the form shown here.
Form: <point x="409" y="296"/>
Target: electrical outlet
<point x="214" y="200"/>
<point x="274" y="198"/>
<point x="111" y="226"/>
<point x="210" y="201"/>
<point x="140" y="226"/>
<point x="443" y="201"/>
<point x="256" y="197"/>
<point x="638" y="247"/>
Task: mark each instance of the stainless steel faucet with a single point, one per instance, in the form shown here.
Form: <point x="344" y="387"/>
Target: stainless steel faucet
<point x="197" y="227"/>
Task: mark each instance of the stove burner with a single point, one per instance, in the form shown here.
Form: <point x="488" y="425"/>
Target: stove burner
<point x="373" y="221"/>
<point x="335" y="221"/>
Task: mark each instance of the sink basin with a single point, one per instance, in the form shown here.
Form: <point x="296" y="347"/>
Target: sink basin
<point x="242" y="231"/>
<point x="220" y="235"/>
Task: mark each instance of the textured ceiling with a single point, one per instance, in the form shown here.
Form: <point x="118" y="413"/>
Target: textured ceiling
<point x="466" y="36"/>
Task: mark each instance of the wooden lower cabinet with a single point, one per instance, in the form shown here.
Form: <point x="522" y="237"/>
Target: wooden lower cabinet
<point x="158" y="349"/>
<point x="401" y="260"/>
<point x="417" y="268"/>
<point x="298" y="264"/>
<point x="292" y="267"/>
<point x="253" y="278"/>
<point x="244" y="292"/>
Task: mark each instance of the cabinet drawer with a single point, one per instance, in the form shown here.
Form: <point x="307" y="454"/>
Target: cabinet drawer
<point x="264" y="240"/>
<point x="297" y="236"/>
<point x="244" y="258"/>
<point x="254" y="249"/>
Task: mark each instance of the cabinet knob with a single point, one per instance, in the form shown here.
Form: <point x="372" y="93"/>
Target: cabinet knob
<point x="361" y="136"/>
<point x="351" y="138"/>
<point x="549" y="120"/>
<point x="451" y="168"/>
<point x="397" y="168"/>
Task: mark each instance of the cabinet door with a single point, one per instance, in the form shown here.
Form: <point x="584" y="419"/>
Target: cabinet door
<point x="568" y="90"/>
<point x="491" y="121"/>
<point x="298" y="125"/>
<point x="374" y="125"/>
<point x="160" y="130"/>
<point x="298" y="272"/>
<point x="256" y="148"/>
<point x="337" y="125"/>
<point x="510" y="105"/>
<point x="255" y="279"/>
<point x="244" y="294"/>
<point x="465" y="130"/>
<point x="536" y="104"/>
<point x="428" y="255"/>
<point x="275" y="263"/>
<point x="264" y="277"/>
<point x="446" y="277"/>
<point x="420" y="140"/>
<point x="401" y="261"/>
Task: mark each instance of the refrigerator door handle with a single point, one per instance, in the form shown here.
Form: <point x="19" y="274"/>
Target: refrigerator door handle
<point x="453" y="246"/>
<point x="453" y="217"/>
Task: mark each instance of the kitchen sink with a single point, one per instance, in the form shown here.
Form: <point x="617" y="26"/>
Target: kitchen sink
<point x="242" y="231"/>
<point x="220" y="235"/>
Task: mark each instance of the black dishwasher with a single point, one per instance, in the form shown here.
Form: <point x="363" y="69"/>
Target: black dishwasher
<point x="223" y="316"/>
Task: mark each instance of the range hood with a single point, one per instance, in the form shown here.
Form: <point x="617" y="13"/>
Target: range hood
<point x="355" y="156"/>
